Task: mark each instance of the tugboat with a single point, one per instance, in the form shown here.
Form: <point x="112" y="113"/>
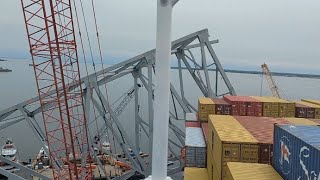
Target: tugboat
<point x="9" y="151"/>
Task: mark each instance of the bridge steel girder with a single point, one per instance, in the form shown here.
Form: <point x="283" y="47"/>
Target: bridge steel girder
<point x="135" y="66"/>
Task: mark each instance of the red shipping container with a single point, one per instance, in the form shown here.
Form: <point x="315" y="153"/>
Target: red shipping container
<point x="244" y="105"/>
<point x="222" y="106"/>
<point x="204" y="127"/>
<point x="303" y="111"/>
<point x="261" y="128"/>
<point x="193" y="124"/>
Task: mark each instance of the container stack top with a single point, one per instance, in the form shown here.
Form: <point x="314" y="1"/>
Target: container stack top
<point x="308" y="104"/>
<point x="194" y="137"/>
<point x="195" y="173"/>
<point x="251" y="171"/>
<point x="265" y="99"/>
<point x="301" y="121"/>
<point x="191" y="117"/>
<point x="261" y="128"/>
<point x="204" y="100"/>
<point x="220" y="101"/>
<point x="309" y="134"/>
<point x="230" y="130"/>
<point x="241" y="99"/>
<point x="317" y="102"/>
<point x="280" y="100"/>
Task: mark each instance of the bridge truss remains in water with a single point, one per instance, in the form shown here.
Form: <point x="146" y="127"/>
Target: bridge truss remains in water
<point x="141" y="68"/>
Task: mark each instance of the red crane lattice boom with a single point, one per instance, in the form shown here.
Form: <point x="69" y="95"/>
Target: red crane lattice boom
<point x="52" y="42"/>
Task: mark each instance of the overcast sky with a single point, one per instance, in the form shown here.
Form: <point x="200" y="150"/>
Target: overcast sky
<point x="283" y="33"/>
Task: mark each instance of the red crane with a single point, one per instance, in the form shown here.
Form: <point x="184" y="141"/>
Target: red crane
<point x="52" y="41"/>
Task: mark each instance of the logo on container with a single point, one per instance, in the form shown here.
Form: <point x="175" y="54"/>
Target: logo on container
<point x="284" y="160"/>
<point x="303" y="159"/>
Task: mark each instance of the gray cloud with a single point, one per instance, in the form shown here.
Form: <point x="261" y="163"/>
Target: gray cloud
<point x="284" y="33"/>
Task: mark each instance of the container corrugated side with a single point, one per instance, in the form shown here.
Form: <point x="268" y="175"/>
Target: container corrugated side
<point x="195" y="173"/>
<point x="209" y="163"/>
<point x="195" y="148"/>
<point x="222" y="106"/>
<point x="301" y="121"/>
<point x="250" y="171"/>
<point x="303" y="111"/>
<point x="317" y="102"/>
<point x="244" y="105"/>
<point x="297" y="152"/>
<point x="316" y="108"/>
<point x="270" y="107"/>
<point x="205" y="107"/>
<point x="261" y="128"/>
<point x="204" y="127"/>
<point x="230" y="141"/>
<point x="286" y="108"/>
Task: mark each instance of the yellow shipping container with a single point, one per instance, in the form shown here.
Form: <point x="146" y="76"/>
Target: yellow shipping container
<point x="286" y="108"/>
<point x="301" y="121"/>
<point x="317" y="102"/>
<point x="270" y="106"/>
<point x="229" y="142"/>
<point x="250" y="171"/>
<point x="205" y="107"/>
<point x="316" y="108"/>
<point x="195" y="173"/>
<point x="209" y="163"/>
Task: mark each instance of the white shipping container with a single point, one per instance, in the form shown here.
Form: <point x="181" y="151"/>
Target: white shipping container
<point x="191" y="117"/>
<point x="196" y="151"/>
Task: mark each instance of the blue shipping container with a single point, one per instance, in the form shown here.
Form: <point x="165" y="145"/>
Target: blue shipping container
<point x="296" y="152"/>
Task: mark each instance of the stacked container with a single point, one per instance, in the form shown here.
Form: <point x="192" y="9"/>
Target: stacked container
<point x="228" y="141"/>
<point x="205" y="107"/>
<point x="222" y="106"/>
<point x="250" y="171"/>
<point x="314" y="107"/>
<point x="195" y="148"/>
<point x="244" y="106"/>
<point x="191" y="117"/>
<point x="317" y="102"/>
<point x="261" y="128"/>
<point x="195" y="173"/>
<point x="204" y="127"/>
<point x="270" y="106"/>
<point x="297" y="152"/>
<point x="304" y="111"/>
<point x="301" y="121"/>
<point x="286" y="108"/>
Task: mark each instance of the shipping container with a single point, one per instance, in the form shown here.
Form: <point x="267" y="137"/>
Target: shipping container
<point x="297" y="152"/>
<point x="244" y="106"/>
<point x="191" y="117"/>
<point x="270" y="107"/>
<point x="317" y="102"/>
<point x="210" y="163"/>
<point x="250" y="171"/>
<point x="301" y="121"/>
<point x="261" y="128"/>
<point x="204" y="127"/>
<point x="316" y="120"/>
<point x="195" y="173"/>
<point x="286" y="108"/>
<point x="316" y="108"/>
<point x="192" y="124"/>
<point x="303" y="111"/>
<point x="229" y="141"/>
<point x="195" y="148"/>
<point x="222" y="106"/>
<point x="205" y="107"/>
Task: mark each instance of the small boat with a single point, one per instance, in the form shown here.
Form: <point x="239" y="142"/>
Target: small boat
<point x="9" y="151"/>
<point x="5" y="70"/>
<point x="43" y="157"/>
<point x="106" y="146"/>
